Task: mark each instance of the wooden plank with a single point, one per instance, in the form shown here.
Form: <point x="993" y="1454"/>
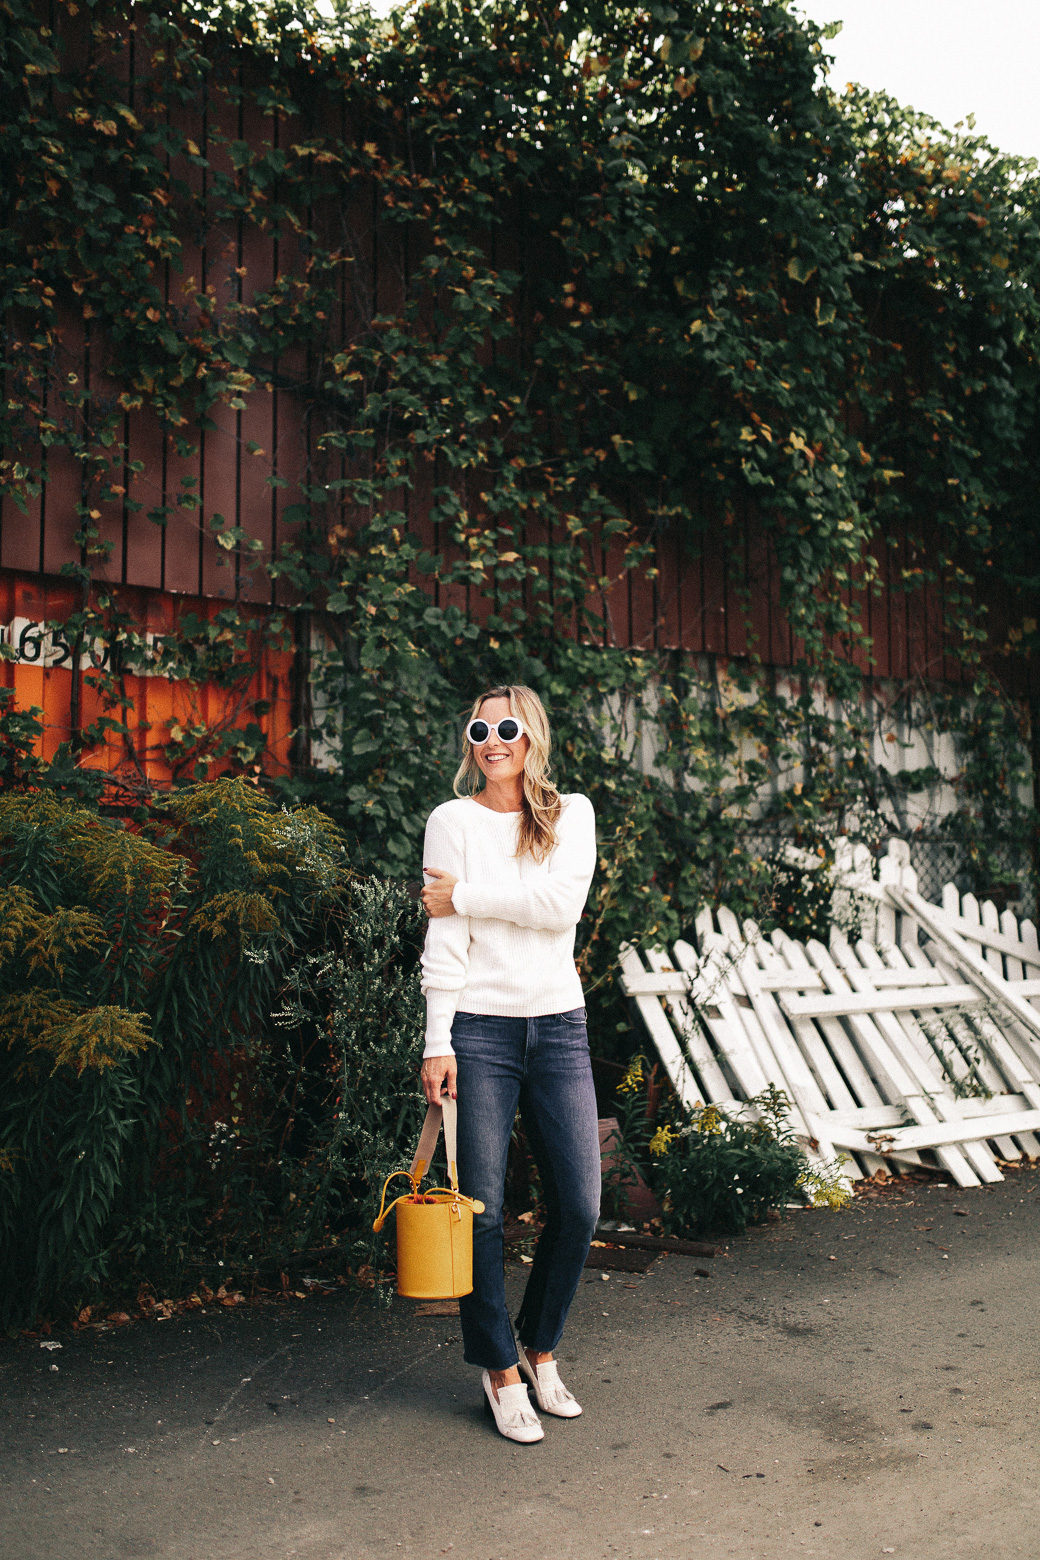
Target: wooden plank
<point x="723" y="1017"/>
<point x="890" y="869"/>
<point x="986" y="937"/>
<point x="669" y="982"/>
<point x="939" y="1066"/>
<point x="665" y="983"/>
<point x="889" y="1070"/>
<point x="926" y="1101"/>
<point x="979" y="1110"/>
<point x="787" y="1067"/>
<point x="843" y="1051"/>
<point x="1015" y="968"/>
<point x="936" y="1135"/>
<point x="968" y="961"/>
<point x="662" y="1034"/>
<point x="829" y="1082"/>
<point x="877" y="1001"/>
<point x="695" y="1045"/>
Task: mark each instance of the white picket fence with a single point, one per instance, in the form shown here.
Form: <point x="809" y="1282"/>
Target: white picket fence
<point x="921" y="1039"/>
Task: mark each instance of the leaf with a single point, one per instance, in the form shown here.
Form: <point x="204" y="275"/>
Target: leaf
<point x="799" y="272"/>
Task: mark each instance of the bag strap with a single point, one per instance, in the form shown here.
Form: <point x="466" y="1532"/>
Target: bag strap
<point x="446" y="1113"/>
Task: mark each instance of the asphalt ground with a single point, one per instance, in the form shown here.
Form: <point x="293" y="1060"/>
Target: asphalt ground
<point x="845" y="1385"/>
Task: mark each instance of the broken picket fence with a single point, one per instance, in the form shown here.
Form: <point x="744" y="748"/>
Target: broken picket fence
<point x="921" y="1038"/>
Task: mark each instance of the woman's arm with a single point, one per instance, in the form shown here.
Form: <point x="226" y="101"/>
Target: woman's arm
<point x="549" y="904"/>
<point x="445" y="955"/>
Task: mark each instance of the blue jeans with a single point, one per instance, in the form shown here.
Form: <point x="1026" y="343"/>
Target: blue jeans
<point x="541" y="1065"/>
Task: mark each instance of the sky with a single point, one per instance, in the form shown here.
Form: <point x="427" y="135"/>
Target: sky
<point x="946" y="58"/>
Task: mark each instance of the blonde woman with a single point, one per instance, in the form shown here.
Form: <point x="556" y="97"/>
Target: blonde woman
<point x="508" y="867"/>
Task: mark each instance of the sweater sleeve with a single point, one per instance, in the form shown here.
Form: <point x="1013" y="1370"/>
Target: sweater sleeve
<point x="552" y="903"/>
<point x="445" y="955"/>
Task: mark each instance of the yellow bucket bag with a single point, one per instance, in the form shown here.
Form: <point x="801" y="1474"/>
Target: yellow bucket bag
<point x="435" y="1227"/>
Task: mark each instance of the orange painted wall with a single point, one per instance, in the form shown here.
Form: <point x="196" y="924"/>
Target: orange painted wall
<point x="158" y="702"/>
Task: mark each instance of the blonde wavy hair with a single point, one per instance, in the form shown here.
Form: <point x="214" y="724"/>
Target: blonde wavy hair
<point x="542" y="803"/>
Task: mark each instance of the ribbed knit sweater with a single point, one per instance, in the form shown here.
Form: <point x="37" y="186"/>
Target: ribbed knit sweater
<point x="509" y="949"/>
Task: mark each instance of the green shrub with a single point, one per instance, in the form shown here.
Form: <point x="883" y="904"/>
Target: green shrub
<point x="715" y="1173"/>
<point x="137" y="975"/>
<point x="366" y="1000"/>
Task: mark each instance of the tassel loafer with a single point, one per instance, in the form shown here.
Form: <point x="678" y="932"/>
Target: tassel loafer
<point x="551" y="1394"/>
<point x="512" y="1412"/>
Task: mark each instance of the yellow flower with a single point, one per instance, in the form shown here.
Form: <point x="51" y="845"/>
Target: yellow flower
<point x="661" y="1140"/>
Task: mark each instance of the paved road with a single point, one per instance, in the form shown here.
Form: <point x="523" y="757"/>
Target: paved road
<point x="844" y="1386"/>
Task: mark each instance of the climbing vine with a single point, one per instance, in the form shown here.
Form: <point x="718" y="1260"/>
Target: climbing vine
<point x="658" y="279"/>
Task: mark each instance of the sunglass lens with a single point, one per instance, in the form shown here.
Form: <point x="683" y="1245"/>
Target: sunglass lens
<point x="479" y="731"/>
<point x="508" y="730"/>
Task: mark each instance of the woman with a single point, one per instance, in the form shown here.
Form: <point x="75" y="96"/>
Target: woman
<point x="508" y="867"/>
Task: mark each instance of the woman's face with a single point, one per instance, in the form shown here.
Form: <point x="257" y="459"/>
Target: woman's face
<point x="496" y="760"/>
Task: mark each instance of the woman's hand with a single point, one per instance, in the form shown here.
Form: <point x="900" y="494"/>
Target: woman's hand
<point x="439" y="1073"/>
<point x="437" y="896"/>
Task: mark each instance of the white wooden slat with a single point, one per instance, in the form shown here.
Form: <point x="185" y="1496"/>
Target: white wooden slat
<point x="1030" y="944"/>
<point x="890" y="869"/>
<point x="887" y="1065"/>
<point x="907" y="975"/>
<point x="684" y="1018"/>
<point x="787" y="1068"/>
<point x="984" y="1066"/>
<point x="991" y="922"/>
<point x="741" y="1006"/>
<point x="910" y="954"/>
<point x="839" y="1044"/>
<point x="1025" y="1046"/>
<point x="799" y="1082"/>
<point x="662" y="1034"/>
<point x="825" y="1073"/>
<point x="720" y="1013"/>
<point x="901" y="1001"/>
<point x="783" y="1063"/>
<point x="975" y="932"/>
<point x="968" y="961"/>
<point x="937" y="1135"/>
<point x="977" y="1110"/>
<point x="985" y="937"/>
<point x="657" y="983"/>
<point x="1015" y="969"/>
<point x="832" y="1085"/>
<point x="1030" y="953"/>
<point x="841" y="1068"/>
<point x="941" y="1101"/>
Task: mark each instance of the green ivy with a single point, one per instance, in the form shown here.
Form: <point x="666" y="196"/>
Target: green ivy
<point x="660" y="280"/>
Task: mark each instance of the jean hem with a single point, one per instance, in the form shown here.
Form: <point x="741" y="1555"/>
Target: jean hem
<point x="485" y="1365"/>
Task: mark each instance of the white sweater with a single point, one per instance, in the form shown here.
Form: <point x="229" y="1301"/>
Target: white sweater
<point x="509" y="949"/>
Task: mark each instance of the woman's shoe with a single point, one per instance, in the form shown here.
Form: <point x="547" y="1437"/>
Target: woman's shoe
<point x="549" y="1390"/>
<point x="512" y="1412"/>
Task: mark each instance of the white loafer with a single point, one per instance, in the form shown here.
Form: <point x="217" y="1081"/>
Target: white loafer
<point x="512" y="1412"/>
<point x="549" y="1390"/>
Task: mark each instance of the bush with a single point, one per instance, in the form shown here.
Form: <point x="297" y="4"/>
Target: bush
<point x="714" y="1173"/>
<point x="366" y="1001"/>
<point x="137" y="973"/>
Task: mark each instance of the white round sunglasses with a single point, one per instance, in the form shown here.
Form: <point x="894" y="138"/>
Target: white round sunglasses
<point x="508" y="730"/>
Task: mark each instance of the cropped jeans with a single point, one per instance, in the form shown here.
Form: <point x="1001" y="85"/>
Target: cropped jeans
<point x="540" y="1065"/>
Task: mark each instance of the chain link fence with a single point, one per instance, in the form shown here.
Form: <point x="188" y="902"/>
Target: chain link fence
<point x="1009" y="877"/>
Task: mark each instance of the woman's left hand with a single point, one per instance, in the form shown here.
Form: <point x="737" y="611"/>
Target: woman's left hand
<point x="437" y="896"/>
